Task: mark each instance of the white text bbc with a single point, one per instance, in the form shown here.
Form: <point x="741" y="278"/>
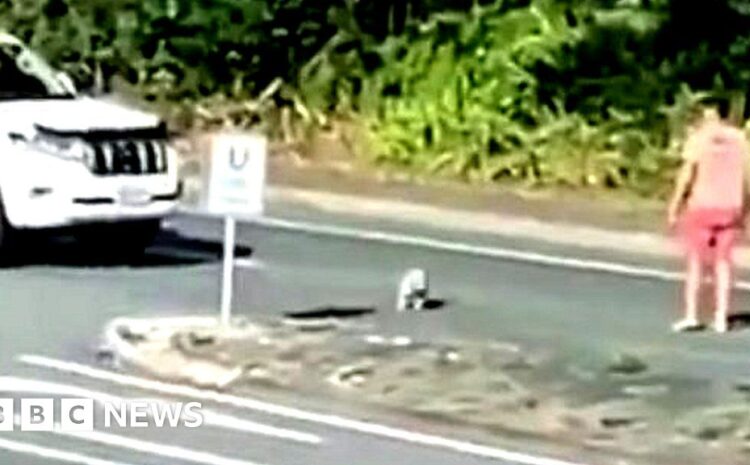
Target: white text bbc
<point x="78" y="415"/>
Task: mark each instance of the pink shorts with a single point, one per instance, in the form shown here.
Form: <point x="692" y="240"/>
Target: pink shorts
<point x="711" y="232"/>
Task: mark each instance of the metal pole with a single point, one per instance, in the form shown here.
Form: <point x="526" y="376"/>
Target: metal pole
<point x="228" y="270"/>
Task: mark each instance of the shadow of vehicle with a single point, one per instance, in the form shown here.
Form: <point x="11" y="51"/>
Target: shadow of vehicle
<point x="168" y="249"/>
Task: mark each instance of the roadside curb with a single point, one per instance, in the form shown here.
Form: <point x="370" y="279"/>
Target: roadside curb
<point x="493" y="224"/>
<point x="475" y="222"/>
<point x="157" y="332"/>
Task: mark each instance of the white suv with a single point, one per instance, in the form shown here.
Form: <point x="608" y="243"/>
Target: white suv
<point x="68" y="160"/>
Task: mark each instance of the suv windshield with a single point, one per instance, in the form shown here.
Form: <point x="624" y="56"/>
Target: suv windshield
<point x="25" y="75"/>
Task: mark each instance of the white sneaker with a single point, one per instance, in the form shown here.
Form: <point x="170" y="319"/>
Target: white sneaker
<point x="721" y="325"/>
<point x="686" y="324"/>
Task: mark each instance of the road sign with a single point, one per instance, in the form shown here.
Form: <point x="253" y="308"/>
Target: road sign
<point x="237" y="174"/>
<point x="236" y="185"/>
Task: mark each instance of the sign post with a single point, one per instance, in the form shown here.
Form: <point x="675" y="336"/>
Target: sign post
<point x="235" y="189"/>
<point x="227" y="273"/>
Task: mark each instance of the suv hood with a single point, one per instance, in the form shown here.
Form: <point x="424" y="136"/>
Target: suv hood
<point x="73" y="115"/>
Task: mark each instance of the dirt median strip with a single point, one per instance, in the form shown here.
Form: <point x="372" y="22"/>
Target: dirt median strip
<point x="622" y="407"/>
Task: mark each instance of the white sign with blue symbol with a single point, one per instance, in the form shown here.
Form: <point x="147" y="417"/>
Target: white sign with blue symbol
<point x="236" y="186"/>
<point x="238" y="174"/>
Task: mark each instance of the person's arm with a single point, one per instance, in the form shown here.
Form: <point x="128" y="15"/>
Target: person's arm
<point x="682" y="191"/>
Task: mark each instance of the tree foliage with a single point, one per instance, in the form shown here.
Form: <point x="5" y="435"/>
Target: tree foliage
<point x="578" y="92"/>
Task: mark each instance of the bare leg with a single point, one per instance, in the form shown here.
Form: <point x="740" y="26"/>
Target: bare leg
<point x="723" y="290"/>
<point x="693" y="281"/>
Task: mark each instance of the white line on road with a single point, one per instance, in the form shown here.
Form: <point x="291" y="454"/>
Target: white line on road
<point x="525" y="256"/>
<point x="153" y="448"/>
<point x="289" y="412"/>
<point x="248" y="263"/>
<point x="52" y="454"/>
<point x="21" y="385"/>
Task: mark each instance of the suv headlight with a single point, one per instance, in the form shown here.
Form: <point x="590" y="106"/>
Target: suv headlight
<point x="68" y="148"/>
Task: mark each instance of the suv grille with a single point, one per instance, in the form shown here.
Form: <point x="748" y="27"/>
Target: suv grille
<point x="128" y="157"/>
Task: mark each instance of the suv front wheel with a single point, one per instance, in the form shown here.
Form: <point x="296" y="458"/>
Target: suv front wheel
<point x="9" y="238"/>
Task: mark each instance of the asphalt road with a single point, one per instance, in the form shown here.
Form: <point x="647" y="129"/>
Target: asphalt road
<point x="56" y="304"/>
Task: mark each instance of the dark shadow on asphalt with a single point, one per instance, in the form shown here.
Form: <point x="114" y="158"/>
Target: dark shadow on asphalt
<point x="739" y="321"/>
<point x="169" y="249"/>
<point x="330" y="312"/>
<point x="341" y="312"/>
<point x="434" y="304"/>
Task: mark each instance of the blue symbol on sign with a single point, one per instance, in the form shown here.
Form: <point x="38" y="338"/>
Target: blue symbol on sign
<point x="236" y="161"/>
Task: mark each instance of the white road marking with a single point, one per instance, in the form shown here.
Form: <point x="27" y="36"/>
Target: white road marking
<point x="249" y="263"/>
<point x="525" y="256"/>
<point x="147" y="447"/>
<point x="210" y="418"/>
<point x="52" y="454"/>
<point x="153" y="448"/>
<point x="292" y="413"/>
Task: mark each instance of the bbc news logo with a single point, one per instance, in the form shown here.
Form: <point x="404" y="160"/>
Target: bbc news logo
<point x="79" y="415"/>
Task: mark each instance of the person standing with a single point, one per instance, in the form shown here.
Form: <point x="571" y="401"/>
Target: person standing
<point x="709" y="206"/>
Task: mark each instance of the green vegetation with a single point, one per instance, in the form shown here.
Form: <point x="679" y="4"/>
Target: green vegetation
<point x="574" y="92"/>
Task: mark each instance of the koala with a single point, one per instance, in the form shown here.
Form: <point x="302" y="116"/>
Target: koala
<point x="414" y="290"/>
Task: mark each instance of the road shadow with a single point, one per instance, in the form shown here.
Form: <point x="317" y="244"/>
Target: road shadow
<point x="169" y="249"/>
<point x="339" y="312"/>
<point x="434" y="304"/>
<point x="739" y="321"/>
<point x="326" y="312"/>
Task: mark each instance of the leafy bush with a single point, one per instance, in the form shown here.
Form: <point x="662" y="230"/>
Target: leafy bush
<point x="581" y="93"/>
